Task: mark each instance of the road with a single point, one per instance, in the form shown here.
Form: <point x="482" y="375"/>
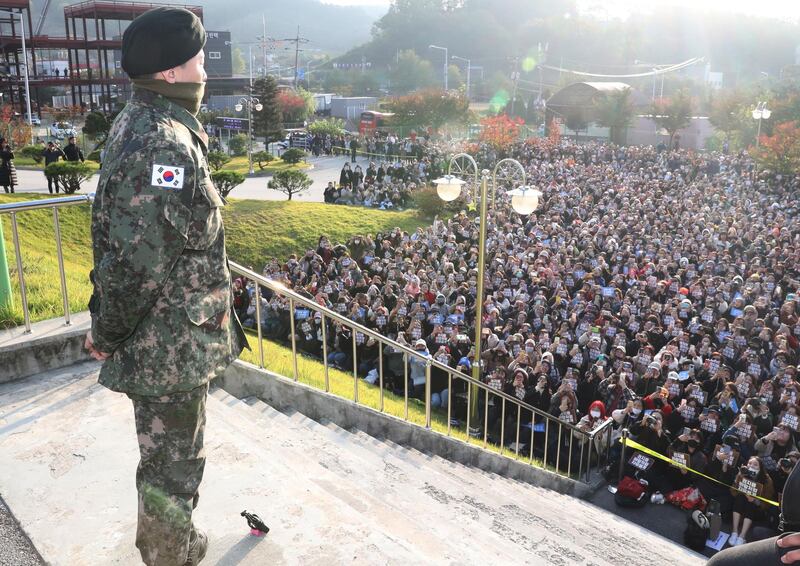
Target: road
<point x="323" y="169"/>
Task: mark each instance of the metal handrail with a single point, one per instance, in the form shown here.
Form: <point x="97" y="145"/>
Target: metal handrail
<point x="586" y="439"/>
<point x="297" y="298"/>
<point x="566" y="435"/>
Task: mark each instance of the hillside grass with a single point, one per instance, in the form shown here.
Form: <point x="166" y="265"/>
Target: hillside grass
<point x="255" y="231"/>
<point x="241" y="165"/>
<point x="29" y="163"/>
<point x="278" y="358"/>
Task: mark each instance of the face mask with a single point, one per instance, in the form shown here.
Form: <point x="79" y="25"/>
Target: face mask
<point x="753" y="471"/>
<point x="595" y="414"/>
<point x="636" y="412"/>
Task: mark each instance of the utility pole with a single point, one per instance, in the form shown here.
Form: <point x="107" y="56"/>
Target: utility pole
<point x="264" y="42"/>
<point x="515" y="78"/>
<point x="469" y="67"/>
<point x="446" y="61"/>
<point x="297" y="40"/>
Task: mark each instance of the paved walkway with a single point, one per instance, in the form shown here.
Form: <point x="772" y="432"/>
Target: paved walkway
<point x="330" y="496"/>
<point x="323" y="169"/>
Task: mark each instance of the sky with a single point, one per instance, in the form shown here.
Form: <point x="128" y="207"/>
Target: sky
<point x="782" y="9"/>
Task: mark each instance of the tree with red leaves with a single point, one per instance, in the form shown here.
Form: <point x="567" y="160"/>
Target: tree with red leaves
<point x="780" y="152"/>
<point x="500" y="131"/>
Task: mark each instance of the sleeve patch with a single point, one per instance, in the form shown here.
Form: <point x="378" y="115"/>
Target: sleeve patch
<point x="167" y="177"/>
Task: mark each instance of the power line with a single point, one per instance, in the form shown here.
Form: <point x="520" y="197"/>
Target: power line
<point x="654" y="72"/>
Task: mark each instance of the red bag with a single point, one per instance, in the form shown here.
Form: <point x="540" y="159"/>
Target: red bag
<point x="629" y="487"/>
<point x="688" y="498"/>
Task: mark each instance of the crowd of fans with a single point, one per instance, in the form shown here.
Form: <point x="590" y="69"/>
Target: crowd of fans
<point x="654" y="288"/>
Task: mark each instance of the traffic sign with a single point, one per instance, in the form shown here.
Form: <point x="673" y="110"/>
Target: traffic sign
<point x="238" y="124"/>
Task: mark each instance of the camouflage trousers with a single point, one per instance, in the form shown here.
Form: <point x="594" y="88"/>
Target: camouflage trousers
<point x="170" y="433"/>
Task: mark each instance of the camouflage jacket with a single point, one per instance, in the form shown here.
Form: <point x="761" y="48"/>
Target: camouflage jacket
<point x="162" y="301"/>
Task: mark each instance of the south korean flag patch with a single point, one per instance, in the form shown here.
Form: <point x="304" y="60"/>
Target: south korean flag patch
<point x="167" y="177"/>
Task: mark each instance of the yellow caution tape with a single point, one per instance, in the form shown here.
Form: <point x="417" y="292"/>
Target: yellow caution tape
<point x="636" y="446"/>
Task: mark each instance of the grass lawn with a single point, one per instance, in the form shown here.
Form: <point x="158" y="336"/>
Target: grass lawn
<point x="240" y="165"/>
<point x="30" y="163"/>
<point x="255" y="230"/>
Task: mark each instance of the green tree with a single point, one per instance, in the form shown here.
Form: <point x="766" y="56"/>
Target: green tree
<point x="455" y="80"/>
<point x="267" y="123"/>
<point x="217" y="159"/>
<point x="674" y="113"/>
<point x="71" y="174"/>
<point x="96" y="126"/>
<point x="725" y="113"/>
<point x="226" y="181"/>
<point x="290" y="182"/>
<point x="429" y="108"/>
<point x="32" y="152"/>
<point x="261" y="158"/>
<point x="615" y="112"/>
<point x="239" y="63"/>
<point x="238" y="145"/>
<point x="411" y="72"/>
<point x="330" y="126"/>
<point x="294" y="155"/>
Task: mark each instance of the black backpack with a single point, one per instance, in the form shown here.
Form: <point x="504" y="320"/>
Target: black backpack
<point x="695" y="535"/>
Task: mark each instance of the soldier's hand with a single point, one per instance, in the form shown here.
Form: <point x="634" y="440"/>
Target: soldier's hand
<point x="89" y="345"/>
<point x="789" y="542"/>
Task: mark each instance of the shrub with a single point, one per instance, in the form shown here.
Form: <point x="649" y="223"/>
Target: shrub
<point x="217" y="159"/>
<point x="32" y="152"/>
<point x="262" y="158"/>
<point x="293" y="155"/>
<point x="70" y="174"/>
<point x="238" y="145"/>
<point x="290" y="182"/>
<point x="226" y="181"/>
<point x="427" y="200"/>
<point x="94" y="156"/>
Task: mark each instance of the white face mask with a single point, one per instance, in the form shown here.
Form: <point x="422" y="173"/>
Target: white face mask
<point x="595" y="414"/>
<point x="753" y="470"/>
<point x="636" y="412"/>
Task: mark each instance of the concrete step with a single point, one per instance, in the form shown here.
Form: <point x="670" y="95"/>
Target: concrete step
<point x="331" y="496"/>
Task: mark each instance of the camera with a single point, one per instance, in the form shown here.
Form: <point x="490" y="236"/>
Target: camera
<point x="785" y="463"/>
<point x="649" y="420"/>
<point x="748" y="473"/>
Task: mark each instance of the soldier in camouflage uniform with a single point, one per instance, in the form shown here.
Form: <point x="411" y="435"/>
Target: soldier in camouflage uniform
<point x="162" y="309"/>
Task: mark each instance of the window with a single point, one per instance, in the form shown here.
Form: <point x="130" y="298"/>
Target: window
<point x="214" y="55"/>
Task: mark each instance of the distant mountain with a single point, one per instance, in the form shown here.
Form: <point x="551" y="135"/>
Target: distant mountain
<point x="328" y="27"/>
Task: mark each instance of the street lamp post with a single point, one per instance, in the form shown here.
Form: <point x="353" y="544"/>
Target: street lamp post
<point x="445" y="62"/>
<point x="468" y="70"/>
<point x="25" y="68"/>
<point x="252" y="104"/>
<point x="524" y="200"/>
<point x="761" y="112"/>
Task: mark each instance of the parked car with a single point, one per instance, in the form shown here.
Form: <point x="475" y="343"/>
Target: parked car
<point x="62" y="130"/>
<point x="35" y="120"/>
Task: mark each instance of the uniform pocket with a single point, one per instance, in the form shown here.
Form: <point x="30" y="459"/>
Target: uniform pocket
<point x="209" y="310"/>
<point x="206" y="223"/>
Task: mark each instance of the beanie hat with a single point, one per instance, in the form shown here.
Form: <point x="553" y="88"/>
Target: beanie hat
<point x="161" y="39"/>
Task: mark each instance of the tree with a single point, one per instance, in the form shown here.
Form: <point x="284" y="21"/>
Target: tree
<point x="673" y="114"/>
<point x="780" y="152"/>
<point x="71" y="174"/>
<point x="294" y="155"/>
<point x="454" y="78"/>
<point x="238" y="145"/>
<point x="500" y="131"/>
<point x="239" y="63"/>
<point x="267" y="123"/>
<point x="262" y="158"/>
<point x="32" y="152"/>
<point x="575" y="120"/>
<point x="429" y="108"/>
<point x="411" y="72"/>
<point x="290" y="182"/>
<point x="96" y="126"/>
<point x="217" y="159"/>
<point x="226" y="181"/>
<point x="725" y="113"/>
<point x="615" y="111"/>
<point x="292" y="106"/>
<point x="329" y="126"/>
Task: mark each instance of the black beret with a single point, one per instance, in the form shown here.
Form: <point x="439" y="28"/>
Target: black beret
<point x="161" y="39"/>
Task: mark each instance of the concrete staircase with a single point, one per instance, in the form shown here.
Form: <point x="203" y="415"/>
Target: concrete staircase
<point x="330" y="496"/>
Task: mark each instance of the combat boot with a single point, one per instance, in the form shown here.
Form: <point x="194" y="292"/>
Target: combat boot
<point x="198" y="545"/>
